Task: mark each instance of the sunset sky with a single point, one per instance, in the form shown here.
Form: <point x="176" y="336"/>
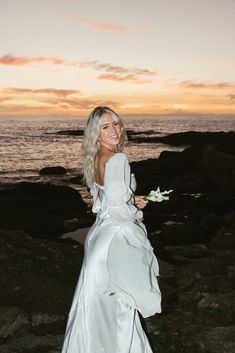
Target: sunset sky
<point x="64" y="57"/>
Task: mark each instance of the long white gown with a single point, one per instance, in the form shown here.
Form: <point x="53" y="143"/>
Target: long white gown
<point x="118" y="277"/>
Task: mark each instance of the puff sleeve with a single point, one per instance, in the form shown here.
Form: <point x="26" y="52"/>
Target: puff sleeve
<point x="119" y="196"/>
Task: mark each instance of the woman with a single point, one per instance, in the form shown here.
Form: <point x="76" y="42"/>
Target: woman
<point x="118" y="278"/>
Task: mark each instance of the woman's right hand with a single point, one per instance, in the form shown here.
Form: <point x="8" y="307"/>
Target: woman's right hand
<point x="140" y="202"/>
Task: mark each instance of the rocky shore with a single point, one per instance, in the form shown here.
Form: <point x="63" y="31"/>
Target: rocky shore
<point x="193" y="235"/>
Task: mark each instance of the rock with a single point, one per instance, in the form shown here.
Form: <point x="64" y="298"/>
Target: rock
<point x="219" y="167"/>
<point x="224" y="239"/>
<point x="229" y="220"/>
<point x="56" y="170"/>
<point x="194" y="251"/>
<point x="78" y="132"/>
<point x="42" y="323"/>
<point x="211" y="223"/>
<point x="219" y="339"/>
<point x="3" y="255"/>
<point x="42" y="280"/>
<point x="40" y="209"/>
<point x="32" y="343"/>
<point x="205" y="301"/>
<point x="192" y="183"/>
<point x="13" y="322"/>
<point x="76" y="180"/>
<point x="177" y="234"/>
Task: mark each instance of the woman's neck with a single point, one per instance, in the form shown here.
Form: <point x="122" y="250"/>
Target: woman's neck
<point x="114" y="149"/>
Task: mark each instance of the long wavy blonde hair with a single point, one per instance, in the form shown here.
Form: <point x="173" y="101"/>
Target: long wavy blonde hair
<point x="90" y="145"/>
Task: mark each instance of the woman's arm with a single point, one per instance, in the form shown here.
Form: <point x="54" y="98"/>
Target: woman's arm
<point x="117" y="190"/>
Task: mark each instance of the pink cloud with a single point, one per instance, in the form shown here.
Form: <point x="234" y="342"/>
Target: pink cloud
<point x="125" y="78"/>
<point x="47" y="91"/>
<point x="24" y="61"/>
<point x="204" y="86"/>
<point x="136" y="75"/>
<point x="117" y="30"/>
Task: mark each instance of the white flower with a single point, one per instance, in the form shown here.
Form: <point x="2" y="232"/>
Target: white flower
<point x="157" y="195"/>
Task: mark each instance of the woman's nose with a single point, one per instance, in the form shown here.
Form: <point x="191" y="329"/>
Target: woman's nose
<point x="113" y="128"/>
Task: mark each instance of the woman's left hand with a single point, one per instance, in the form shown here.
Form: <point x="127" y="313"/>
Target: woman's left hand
<point x="140" y="202"/>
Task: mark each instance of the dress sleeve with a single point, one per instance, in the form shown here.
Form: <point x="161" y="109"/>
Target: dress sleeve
<point x="119" y="197"/>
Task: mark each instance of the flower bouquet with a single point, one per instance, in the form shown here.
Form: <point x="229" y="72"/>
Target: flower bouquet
<point x="157" y="195"/>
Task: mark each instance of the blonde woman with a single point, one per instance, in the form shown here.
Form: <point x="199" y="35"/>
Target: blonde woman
<point x="118" y="279"/>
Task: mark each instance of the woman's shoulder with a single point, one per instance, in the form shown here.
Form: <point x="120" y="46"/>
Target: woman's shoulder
<point x="117" y="156"/>
<point x="107" y="158"/>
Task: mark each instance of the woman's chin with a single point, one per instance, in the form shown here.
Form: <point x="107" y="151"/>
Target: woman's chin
<point x="114" y="142"/>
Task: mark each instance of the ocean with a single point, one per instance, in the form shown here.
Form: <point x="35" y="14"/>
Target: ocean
<point x="28" y="144"/>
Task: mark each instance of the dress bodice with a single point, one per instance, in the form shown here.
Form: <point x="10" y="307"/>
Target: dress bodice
<point x="115" y="198"/>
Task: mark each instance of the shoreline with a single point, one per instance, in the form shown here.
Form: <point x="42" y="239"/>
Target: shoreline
<point x="192" y="234"/>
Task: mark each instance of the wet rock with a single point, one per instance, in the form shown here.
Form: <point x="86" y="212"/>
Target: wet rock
<point x="56" y="170"/>
<point x="13" y="322"/>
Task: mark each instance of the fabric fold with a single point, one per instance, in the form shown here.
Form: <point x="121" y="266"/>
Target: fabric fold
<point x="133" y="270"/>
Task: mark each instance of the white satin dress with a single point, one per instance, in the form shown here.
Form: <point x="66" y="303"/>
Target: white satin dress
<point x="118" y="278"/>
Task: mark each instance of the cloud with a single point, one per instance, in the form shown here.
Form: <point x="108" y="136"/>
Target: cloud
<point x="44" y="91"/>
<point x="116" y="30"/>
<point x="135" y="75"/>
<point x="189" y="85"/>
<point x="11" y="60"/>
<point x="122" y="70"/>
<point x="124" y="78"/>
<point x="231" y="96"/>
<point x="48" y="101"/>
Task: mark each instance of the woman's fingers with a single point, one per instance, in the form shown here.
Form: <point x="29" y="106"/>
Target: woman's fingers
<point x="140" y="202"/>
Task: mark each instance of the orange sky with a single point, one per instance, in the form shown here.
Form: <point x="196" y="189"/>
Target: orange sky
<point x="66" y="57"/>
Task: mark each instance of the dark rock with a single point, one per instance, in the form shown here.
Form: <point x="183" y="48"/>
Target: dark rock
<point x="56" y="170"/>
<point x="40" y="209"/>
<point x="192" y="183"/>
<point x="177" y="234"/>
<point x="218" y="339"/>
<point x="13" y="322"/>
<point x="43" y="279"/>
<point x="76" y="180"/>
<point x="210" y="223"/>
<point x="219" y="167"/>
<point x="194" y="251"/>
<point x="224" y="239"/>
<point x="32" y="343"/>
<point x="78" y="132"/>
<point x="229" y="219"/>
<point x="42" y="323"/>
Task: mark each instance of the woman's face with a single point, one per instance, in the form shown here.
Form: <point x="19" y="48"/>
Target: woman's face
<point x="110" y="131"/>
